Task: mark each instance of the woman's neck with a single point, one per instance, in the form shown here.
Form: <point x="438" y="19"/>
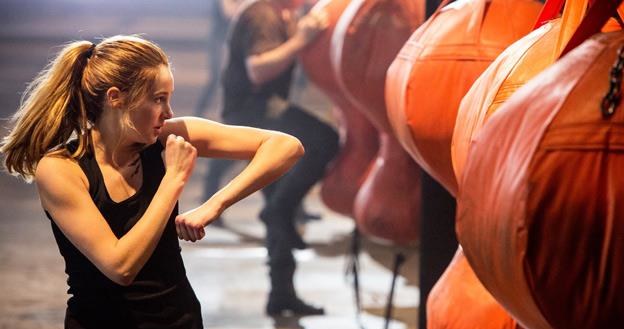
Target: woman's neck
<point x="111" y="148"/>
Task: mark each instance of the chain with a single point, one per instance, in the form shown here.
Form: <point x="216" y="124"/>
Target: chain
<point x="613" y="97"/>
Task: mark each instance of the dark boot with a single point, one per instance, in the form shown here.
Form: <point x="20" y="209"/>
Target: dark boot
<point x="302" y="216"/>
<point x="283" y="300"/>
<point x="284" y="305"/>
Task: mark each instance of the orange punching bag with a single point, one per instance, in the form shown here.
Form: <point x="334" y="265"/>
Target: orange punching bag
<point x="359" y="142"/>
<point x="437" y="66"/>
<point x="459" y="301"/>
<point x="513" y="68"/>
<point x="540" y="209"/>
<point x="366" y="39"/>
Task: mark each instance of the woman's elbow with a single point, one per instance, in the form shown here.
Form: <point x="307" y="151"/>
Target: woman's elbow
<point x="119" y="273"/>
<point x="122" y="278"/>
<point x="288" y="148"/>
<point x="297" y="149"/>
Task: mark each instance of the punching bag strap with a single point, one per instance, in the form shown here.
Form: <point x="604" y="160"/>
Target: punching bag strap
<point x="595" y="19"/>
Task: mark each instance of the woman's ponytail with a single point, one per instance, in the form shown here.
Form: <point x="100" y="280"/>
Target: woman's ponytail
<point x="53" y="107"/>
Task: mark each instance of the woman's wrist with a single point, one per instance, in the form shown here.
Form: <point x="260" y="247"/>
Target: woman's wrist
<point x="173" y="181"/>
<point x="216" y="203"/>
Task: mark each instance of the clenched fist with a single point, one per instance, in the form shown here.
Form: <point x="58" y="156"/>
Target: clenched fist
<point x="179" y="157"/>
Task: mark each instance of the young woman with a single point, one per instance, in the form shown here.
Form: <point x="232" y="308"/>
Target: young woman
<point x="96" y="133"/>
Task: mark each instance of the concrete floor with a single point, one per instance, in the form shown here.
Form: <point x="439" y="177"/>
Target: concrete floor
<point x="226" y="268"/>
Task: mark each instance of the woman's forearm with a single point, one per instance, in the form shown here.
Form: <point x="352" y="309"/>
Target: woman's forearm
<point x="273" y="158"/>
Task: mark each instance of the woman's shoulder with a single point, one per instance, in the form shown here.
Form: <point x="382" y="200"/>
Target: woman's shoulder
<point x="57" y="168"/>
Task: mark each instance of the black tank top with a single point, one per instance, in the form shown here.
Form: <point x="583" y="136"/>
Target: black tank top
<point x="160" y="296"/>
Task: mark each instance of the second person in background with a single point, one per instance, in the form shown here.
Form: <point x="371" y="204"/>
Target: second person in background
<point x="263" y="44"/>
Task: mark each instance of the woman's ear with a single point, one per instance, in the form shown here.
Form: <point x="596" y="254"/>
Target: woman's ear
<point x="114" y="97"/>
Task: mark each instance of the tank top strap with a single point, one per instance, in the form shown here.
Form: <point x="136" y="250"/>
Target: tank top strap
<point x="89" y="167"/>
<point x="153" y="166"/>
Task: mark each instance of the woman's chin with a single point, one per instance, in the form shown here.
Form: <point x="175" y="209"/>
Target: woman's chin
<point x="148" y="140"/>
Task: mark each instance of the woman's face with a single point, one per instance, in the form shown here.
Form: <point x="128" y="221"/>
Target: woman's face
<point x="151" y="113"/>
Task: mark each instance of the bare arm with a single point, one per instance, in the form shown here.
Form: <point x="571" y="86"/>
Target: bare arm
<point x="271" y="154"/>
<point x="265" y="66"/>
<point x="63" y="190"/>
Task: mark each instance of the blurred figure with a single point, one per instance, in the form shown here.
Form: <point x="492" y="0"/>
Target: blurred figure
<point x="263" y="43"/>
<point x="221" y="13"/>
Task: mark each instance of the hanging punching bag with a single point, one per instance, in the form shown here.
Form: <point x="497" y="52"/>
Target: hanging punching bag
<point x="512" y="69"/>
<point x="358" y="138"/>
<point x="459" y="301"/>
<point x="437" y="66"/>
<point x="540" y="209"/>
<point x="366" y="39"/>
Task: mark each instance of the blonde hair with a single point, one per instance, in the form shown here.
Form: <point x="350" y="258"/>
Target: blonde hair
<point x="67" y="97"/>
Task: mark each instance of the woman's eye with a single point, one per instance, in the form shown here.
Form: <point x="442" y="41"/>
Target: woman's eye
<point x="160" y="100"/>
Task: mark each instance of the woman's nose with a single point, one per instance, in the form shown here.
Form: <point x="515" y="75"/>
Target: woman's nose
<point x="168" y="113"/>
